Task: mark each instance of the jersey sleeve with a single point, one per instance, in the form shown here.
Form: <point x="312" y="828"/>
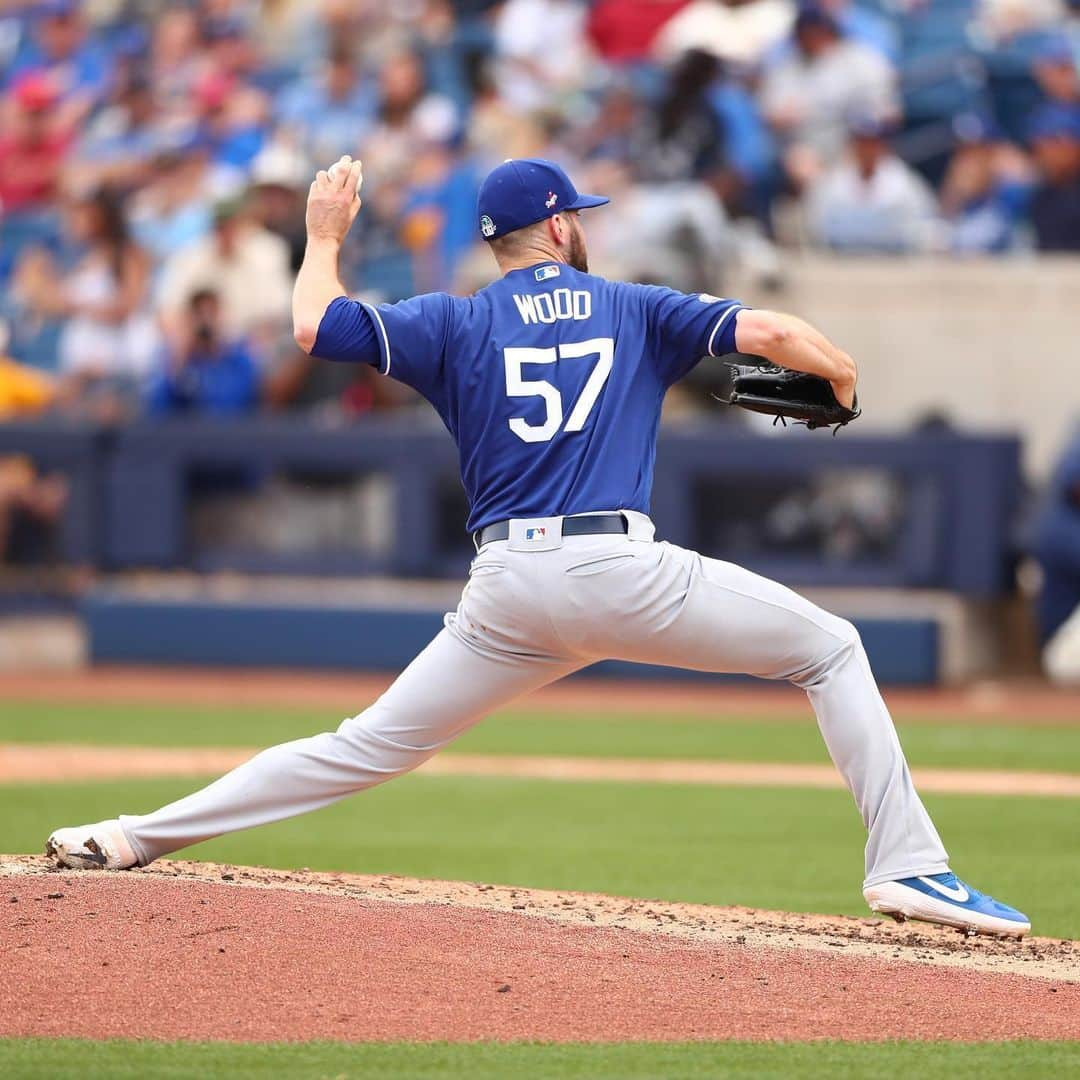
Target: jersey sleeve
<point x="405" y="340"/>
<point x="688" y="326"/>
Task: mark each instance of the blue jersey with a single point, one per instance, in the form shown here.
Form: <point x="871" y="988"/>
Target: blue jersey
<point x="550" y="380"/>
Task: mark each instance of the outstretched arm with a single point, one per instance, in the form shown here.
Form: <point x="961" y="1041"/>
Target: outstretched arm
<point x="792" y="343"/>
<point x="332" y="205"/>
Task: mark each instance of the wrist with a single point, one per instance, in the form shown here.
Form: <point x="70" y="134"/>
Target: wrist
<point x="331" y="245"/>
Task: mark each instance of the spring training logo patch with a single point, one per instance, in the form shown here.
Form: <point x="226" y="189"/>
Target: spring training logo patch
<point x="538" y="533"/>
<point x="487" y="226"/>
<point x="542" y="273"/>
<point x="551" y="200"/>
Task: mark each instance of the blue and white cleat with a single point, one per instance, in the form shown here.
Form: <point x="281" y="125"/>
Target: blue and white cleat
<point x="945" y="899"/>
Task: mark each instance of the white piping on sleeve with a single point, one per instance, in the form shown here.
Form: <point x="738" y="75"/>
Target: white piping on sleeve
<point x="720" y="322"/>
<point x="382" y="329"/>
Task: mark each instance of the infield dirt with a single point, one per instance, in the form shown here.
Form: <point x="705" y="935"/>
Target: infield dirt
<point x="195" y="950"/>
<point x="1032" y="703"/>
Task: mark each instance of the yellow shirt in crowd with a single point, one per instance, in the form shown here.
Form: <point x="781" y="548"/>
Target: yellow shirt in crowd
<point x="22" y="390"/>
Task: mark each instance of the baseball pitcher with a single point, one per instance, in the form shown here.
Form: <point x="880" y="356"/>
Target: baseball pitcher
<point x="551" y="381"/>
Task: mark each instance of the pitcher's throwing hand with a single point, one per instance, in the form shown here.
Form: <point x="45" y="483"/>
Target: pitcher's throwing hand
<point x="334" y="200"/>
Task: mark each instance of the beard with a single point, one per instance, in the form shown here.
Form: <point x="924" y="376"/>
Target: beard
<point x="577" y="256"/>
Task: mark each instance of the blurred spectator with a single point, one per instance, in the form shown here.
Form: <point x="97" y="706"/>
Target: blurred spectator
<point x="327" y="113"/>
<point x="749" y="147"/>
<point x="109" y="335"/>
<point x="408" y="113"/>
<point x="740" y="31"/>
<point x="495" y="130"/>
<point x="246" y="264"/>
<point x="231" y="123"/>
<point x="118" y="146"/>
<point x="1055" y="204"/>
<point x="437" y="214"/>
<point x="174" y="58"/>
<point x="861" y="23"/>
<point x="704" y="115"/>
<point x="173" y="209"/>
<point x="541" y="52"/>
<point x="681" y="138"/>
<point x="1055" y="71"/>
<point x="684" y="180"/>
<point x="30" y="502"/>
<point x="1002" y="20"/>
<point x="203" y="370"/>
<point x="614" y="130"/>
<point x="23" y="390"/>
<point x="34" y="141"/>
<point x="872" y="201"/>
<point x="60" y="46"/>
<point x="229" y="41"/>
<point x="623" y="31"/>
<point x="809" y="97"/>
<point x="280" y="178"/>
<point x="985" y="191"/>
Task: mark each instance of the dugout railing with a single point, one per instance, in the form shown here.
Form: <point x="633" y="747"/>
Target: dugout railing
<point x="955" y="497"/>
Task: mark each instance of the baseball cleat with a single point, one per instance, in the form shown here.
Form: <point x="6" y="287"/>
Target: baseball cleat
<point x="92" y="847"/>
<point x="945" y="899"/>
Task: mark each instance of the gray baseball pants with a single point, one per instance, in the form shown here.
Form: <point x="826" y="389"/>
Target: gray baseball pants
<point x="539" y="606"/>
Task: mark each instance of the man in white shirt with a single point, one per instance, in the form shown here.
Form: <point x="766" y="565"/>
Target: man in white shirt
<point x="541" y="52"/>
<point x="872" y="201"/>
<point x="245" y="264"/>
<point x="810" y="94"/>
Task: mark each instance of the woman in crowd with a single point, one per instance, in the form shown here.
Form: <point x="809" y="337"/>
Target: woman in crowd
<point x="109" y="337"/>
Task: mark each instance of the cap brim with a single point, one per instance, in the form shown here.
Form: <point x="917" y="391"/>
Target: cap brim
<point x="584" y="202"/>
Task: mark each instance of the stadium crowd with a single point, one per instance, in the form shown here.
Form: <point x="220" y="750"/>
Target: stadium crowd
<point x="155" y="157"/>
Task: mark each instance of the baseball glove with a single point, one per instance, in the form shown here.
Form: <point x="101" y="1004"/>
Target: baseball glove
<point x="787" y="395"/>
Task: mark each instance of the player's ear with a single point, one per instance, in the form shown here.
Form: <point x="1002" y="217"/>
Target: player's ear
<point x="557" y="229"/>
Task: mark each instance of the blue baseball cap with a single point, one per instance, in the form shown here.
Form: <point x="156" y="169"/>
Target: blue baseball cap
<point x="522" y="191"/>
<point x="1054" y="49"/>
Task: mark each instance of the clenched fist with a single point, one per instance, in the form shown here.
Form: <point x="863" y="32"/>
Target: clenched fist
<point x="334" y="200"/>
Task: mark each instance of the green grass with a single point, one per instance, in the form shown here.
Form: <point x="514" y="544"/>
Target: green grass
<point x="67" y="1058"/>
<point x="783" y="849"/>
<point x="956" y="744"/>
<point x="786" y="849"/>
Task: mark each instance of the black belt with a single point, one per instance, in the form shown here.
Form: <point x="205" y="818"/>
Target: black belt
<point x="586" y="525"/>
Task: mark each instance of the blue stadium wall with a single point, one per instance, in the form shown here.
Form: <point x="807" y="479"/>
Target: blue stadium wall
<point x="131" y="630"/>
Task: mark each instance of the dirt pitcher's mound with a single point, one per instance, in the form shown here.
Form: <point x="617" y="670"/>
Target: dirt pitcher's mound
<point x="189" y="950"/>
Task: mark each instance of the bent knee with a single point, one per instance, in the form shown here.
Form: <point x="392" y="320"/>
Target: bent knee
<point x="845" y="630"/>
<point x="833" y="644"/>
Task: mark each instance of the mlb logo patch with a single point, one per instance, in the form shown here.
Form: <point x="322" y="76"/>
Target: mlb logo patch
<point x="543" y="273"/>
<point x="538" y="533"/>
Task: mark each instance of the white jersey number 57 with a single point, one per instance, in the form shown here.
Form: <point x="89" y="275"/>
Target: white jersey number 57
<point x="602" y="349"/>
